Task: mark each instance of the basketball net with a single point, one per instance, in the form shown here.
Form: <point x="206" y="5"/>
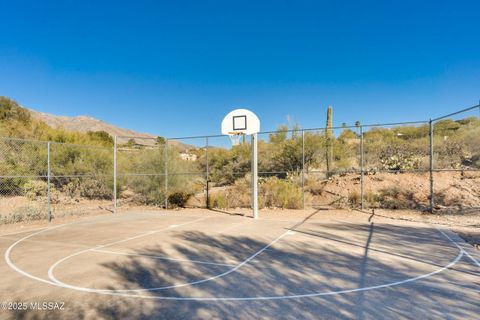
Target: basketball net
<point x="236" y="137"/>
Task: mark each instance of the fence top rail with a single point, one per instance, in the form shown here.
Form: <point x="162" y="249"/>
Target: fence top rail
<point x="310" y="129"/>
<point x="458" y="112"/>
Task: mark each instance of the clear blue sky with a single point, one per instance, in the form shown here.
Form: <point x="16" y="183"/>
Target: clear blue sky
<point x="175" y="68"/>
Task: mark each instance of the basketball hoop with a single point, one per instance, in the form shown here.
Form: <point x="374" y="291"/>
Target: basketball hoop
<point x="236" y="138"/>
<point x="236" y="125"/>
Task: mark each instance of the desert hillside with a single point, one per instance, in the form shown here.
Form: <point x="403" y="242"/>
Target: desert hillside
<point x="86" y="124"/>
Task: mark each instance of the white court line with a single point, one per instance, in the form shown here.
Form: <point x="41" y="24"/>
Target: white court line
<point x="26" y="274"/>
<point x="148" y="233"/>
<point x="459" y="247"/>
<point x="163" y="258"/>
<point x="24" y="231"/>
<point x="296" y="296"/>
<point x="14" y="267"/>
<point x="65" y="285"/>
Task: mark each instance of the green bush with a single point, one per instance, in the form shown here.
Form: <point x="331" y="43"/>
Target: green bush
<point x="280" y="193"/>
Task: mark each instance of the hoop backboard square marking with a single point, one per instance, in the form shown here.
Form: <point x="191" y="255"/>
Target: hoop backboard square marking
<point x="239" y="123"/>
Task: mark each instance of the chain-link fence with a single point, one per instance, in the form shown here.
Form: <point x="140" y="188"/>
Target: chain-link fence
<point x="41" y="180"/>
<point x="455" y="149"/>
<point x="424" y="165"/>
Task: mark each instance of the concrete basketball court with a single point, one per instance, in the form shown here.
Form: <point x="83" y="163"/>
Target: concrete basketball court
<point x="182" y="265"/>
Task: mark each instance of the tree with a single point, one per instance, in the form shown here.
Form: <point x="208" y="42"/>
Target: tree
<point x="11" y="111"/>
<point x="446" y="127"/>
<point x="280" y="135"/>
<point x="101" y="136"/>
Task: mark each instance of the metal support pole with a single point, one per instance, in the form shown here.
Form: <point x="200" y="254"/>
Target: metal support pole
<point x="166" y="173"/>
<point x="115" y="175"/>
<point x="432" y="203"/>
<point x="255" y="176"/>
<point x="362" y="191"/>
<point x="207" y="177"/>
<point x="303" y="169"/>
<point x="49" y="174"/>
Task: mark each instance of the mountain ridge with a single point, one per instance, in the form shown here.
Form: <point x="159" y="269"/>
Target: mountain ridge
<point x="85" y="123"/>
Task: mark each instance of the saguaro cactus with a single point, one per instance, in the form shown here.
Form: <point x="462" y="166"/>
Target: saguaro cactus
<point x="329" y="140"/>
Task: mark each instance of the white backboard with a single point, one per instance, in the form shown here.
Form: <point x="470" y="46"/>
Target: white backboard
<point x="240" y="121"/>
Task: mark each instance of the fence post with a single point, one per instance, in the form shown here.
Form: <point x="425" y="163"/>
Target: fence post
<point x="361" y="169"/>
<point x="166" y="173"/>
<point x="255" y="175"/>
<point x="115" y="175"/>
<point x="432" y="203"/>
<point x="49" y="174"/>
<point x="207" y="205"/>
<point x="303" y="169"/>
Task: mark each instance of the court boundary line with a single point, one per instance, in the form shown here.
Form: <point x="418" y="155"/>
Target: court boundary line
<point x="25" y="231"/>
<point x="28" y="275"/>
<point x="288" y="232"/>
<point x="285" y="297"/>
<point x="186" y="284"/>
<point x="22" y="272"/>
<point x="459" y="247"/>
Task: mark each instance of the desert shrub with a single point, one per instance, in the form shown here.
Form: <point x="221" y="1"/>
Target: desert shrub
<point x="71" y="188"/>
<point x="354" y="199"/>
<point x="236" y="196"/>
<point x="229" y="198"/>
<point x="38" y="190"/>
<point x="218" y="200"/>
<point x="450" y="154"/>
<point x="95" y="189"/>
<point x="11" y="186"/>
<point x="178" y="199"/>
<point x="280" y="193"/>
<point x="33" y="213"/>
<point x="395" y="198"/>
<point x="148" y="187"/>
<point x="35" y="188"/>
<point x="371" y="199"/>
<point x="27" y="213"/>
<point x="147" y="190"/>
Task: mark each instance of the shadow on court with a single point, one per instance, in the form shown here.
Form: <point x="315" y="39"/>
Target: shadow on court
<point x="318" y="258"/>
